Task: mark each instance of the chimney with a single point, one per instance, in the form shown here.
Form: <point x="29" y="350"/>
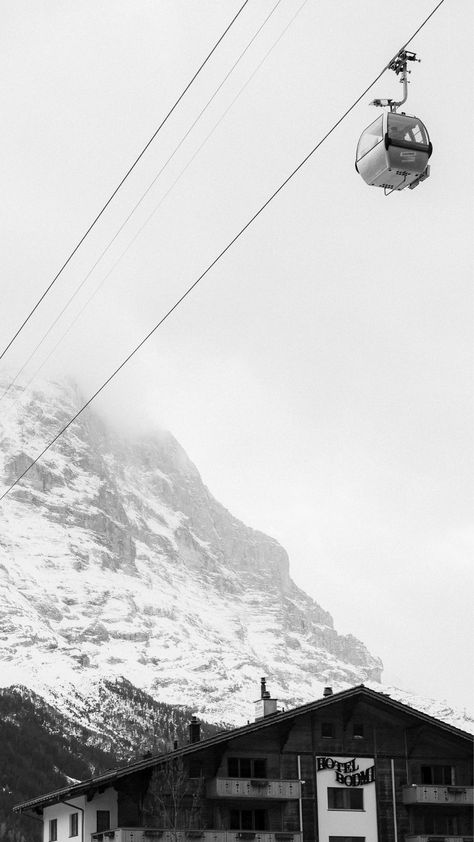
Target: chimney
<point x="264" y="706"/>
<point x="327" y="692"/>
<point x="194" y="730"/>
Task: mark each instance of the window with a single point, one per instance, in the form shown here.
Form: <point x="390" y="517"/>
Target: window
<point x="53" y="830"/>
<point x="370" y="138"/>
<point x="247" y="767"/>
<point x="195" y="768"/>
<point x="441" y="775"/>
<point x="403" y="129"/>
<point x="73" y="824"/>
<point x="345" y="798"/>
<point x="259" y="768"/>
<point x="439" y="825"/>
<point x="103" y="820"/>
<point x="347" y="839"/>
<point x="248" y="819"/>
<point x="358" y="731"/>
<point x="327" y="729"/>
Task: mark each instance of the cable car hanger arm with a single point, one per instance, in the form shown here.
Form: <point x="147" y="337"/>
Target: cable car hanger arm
<point x="399" y="65"/>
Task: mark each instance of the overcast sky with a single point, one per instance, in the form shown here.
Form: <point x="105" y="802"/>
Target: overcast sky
<point x="320" y="376"/>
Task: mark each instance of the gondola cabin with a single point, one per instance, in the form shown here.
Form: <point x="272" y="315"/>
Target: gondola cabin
<point x="393" y="152"/>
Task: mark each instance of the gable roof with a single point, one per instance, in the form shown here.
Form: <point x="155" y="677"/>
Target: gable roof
<point x="107" y="778"/>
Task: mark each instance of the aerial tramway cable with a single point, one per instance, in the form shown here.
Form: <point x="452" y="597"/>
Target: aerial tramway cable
<point x="131" y="168"/>
<point x="165" y="195"/>
<point x="216" y="259"/>
<point x="137" y="205"/>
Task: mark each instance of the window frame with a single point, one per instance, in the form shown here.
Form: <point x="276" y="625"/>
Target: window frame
<point x="253" y="772"/>
<point x="363" y="150"/>
<point x="347" y="839"/>
<point x="53" y="830"/>
<point x="102" y="829"/>
<point x="73" y="825"/>
<point x="251" y="826"/>
<point x="433" y="769"/>
<point x="348" y="792"/>
<point x="403" y="123"/>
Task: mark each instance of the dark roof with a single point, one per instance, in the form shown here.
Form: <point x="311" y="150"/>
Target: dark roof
<point x="111" y="775"/>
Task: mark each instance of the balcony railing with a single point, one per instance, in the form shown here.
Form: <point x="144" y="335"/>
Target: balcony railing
<point x="433" y="837"/>
<point x="421" y="794"/>
<point x="253" y="788"/>
<point x="154" y="834"/>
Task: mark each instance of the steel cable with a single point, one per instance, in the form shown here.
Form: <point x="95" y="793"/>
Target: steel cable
<point x="216" y="260"/>
<point x="129" y="171"/>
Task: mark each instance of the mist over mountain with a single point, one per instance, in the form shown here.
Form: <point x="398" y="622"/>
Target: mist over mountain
<point x="131" y="598"/>
<point x="116" y="560"/>
<point x="118" y="565"/>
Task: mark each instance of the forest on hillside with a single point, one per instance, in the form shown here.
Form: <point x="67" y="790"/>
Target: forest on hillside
<point x="41" y="750"/>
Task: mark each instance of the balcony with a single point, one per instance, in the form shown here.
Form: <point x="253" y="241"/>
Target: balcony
<point x="430" y="837"/>
<point x="153" y="834"/>
<point x="449" y="795"/>
<point x="257" y="788"/>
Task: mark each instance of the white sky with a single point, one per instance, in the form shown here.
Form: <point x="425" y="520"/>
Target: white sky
<point x="321" y="375"/>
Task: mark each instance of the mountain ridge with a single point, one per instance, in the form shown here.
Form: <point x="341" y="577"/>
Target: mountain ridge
<point x="132" y="599"/>
<point x="116" y="560"/>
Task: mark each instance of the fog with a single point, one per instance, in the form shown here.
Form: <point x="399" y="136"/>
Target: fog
<point x="320" y="376"/>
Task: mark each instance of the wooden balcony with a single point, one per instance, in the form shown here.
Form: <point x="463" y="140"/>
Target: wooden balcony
<point x="433" y="837"/>
<point x="258" y="788"/>
<point x="449" y="795"/>
<point x="154" y="834"/>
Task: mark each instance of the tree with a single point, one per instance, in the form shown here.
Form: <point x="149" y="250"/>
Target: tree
<point x="174" y="800"/>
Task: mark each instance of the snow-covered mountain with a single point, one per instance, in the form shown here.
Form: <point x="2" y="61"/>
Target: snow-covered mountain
<point x="57" y="749"/>
<point x="117" y="563"/>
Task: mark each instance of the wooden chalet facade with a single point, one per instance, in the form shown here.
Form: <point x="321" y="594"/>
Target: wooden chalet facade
<point x="354" y="766"/>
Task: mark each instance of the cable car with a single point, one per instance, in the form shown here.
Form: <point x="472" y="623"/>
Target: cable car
<point x="393" y="152"/>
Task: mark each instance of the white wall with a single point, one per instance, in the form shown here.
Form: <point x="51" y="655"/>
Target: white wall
<point x="346" y="822"/>
<point x="105" y="801"/>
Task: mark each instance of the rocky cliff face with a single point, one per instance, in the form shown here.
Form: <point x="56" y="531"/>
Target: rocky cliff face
<point x="115" y="560"/>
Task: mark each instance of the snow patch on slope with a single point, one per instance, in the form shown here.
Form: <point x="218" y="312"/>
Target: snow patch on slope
<point x="116" y="561"/>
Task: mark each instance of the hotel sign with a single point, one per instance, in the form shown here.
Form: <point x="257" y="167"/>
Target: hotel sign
<point x="347" y="772"/>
